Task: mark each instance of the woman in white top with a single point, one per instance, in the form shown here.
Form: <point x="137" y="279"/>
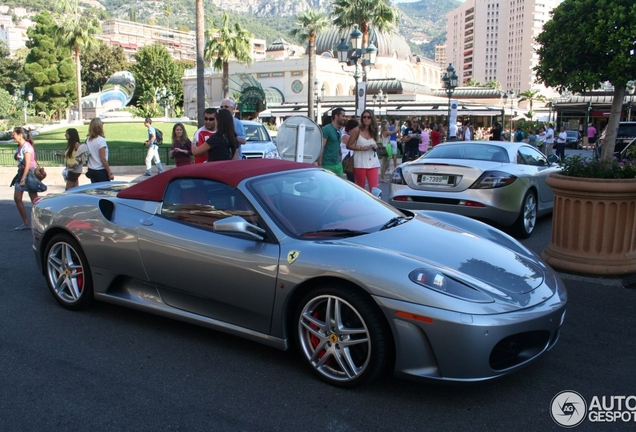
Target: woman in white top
<point x="561" y="140"/>
<point x="365" y="159"/>
<point x="98" y="168"/>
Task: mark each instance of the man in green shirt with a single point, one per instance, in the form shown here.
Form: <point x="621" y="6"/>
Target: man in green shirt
<point x="330" y="155"/>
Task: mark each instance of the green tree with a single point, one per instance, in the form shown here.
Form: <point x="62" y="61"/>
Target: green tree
<point x="224" y="43"/>
<point x="11" y="70"/>
<point x="153" y="69"/>
<point x="365" y="13"/>
<point x="531" y="96"/>
<point x="472" y="83"/>
<point x="308" y="25"/>
<point x="586" y="43"/>
<point x="50" y="71"/>
<point x="100" y="63"/>
<point x="167" y="11"/>
<point x="76" y="32"/>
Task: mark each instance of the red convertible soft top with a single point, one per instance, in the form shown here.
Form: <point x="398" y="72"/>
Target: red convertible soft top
<point x="228" y="172"/>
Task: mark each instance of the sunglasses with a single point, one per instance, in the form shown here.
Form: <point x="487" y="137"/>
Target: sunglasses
<point x="366" y="117"/>
<point x="225" y="107"/>
<point x="209" y="118"/>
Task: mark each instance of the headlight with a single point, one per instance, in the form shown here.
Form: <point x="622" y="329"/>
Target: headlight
<point x="272" y="154"/>
<point x="493" y="179"/>
<point x="437" y="281"/>
<point x="397" y="177"/>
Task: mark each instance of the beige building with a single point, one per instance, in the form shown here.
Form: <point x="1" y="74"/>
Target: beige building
<point x="494" y="40"/>
<point x="277" y="86"/>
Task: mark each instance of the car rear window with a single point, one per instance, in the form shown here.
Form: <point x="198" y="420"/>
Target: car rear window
<point x="626" y="131"/>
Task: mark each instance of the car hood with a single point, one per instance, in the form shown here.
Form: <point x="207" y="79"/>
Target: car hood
<point x="483" y="257"/>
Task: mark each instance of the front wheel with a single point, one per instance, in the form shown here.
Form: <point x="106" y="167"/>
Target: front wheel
<point x="67" y="272"/>
<point x="342" y="336"/>
<point x="527" y="220"/>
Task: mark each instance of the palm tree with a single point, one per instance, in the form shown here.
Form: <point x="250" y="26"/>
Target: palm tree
<point x="365" y="13"/>
<point x="200" y="37"/>
<point x="531" y="96"/>
<point x="225" y="43"/>
<point x="308" y="25"/>
<point x="77" y="33"/>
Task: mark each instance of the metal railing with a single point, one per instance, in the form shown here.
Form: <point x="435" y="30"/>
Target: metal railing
<point x="124" y="156"/>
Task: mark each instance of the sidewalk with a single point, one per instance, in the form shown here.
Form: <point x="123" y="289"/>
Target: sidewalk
<point x="56" y="184"/>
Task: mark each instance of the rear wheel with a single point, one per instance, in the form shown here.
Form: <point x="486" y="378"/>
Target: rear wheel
<point x="67" y="272"/>
<point x="527" y="220"/>
<point x="342" y="336"/>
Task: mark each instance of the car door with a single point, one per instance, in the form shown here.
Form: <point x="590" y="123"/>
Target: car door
<point x="220" y="276"/>
<point x="540" y="168"/>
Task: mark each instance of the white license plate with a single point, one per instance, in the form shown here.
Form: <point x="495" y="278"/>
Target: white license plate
<point x="432" y="179"/>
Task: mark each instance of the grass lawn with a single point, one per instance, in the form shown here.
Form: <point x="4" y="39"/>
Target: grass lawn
<point x="118" y="135"/>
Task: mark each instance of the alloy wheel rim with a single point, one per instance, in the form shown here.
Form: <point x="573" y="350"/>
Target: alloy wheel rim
<point x="334" y="338"/>
<point x="65" y="272"/>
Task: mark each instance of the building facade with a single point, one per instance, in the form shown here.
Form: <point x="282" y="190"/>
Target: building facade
<point x="494" y="40"/>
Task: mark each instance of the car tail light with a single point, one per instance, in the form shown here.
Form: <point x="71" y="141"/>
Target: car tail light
<point x="397" y="177"/>
<point x="493" y="179"/>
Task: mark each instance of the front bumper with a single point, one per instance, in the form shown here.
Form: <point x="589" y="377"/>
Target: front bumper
<point x="467" y="348"/>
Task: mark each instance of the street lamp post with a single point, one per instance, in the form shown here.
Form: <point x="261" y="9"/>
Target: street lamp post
<point x="381" y="97"/>
<point x="368" y="56"/>
<point x="508" y="95"/>
<point x="318" y="98"/>
<point x="450" y="83"/>
<point x="165" y="97"/>
<point x="25" y="101"/>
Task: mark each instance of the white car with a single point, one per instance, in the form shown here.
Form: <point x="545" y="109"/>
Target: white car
<point x="260" y="144"/>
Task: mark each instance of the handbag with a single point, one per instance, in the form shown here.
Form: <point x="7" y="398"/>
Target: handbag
<point x="40" y="172"/>
<point x="381" y="151"/>
<point x="347" y="163"/>
<point x="81" y="156"/>
<point x="32" y="183"/>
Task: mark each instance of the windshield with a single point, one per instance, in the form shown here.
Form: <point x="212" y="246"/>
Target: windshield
<point x="256" y="133"/>
<point x="315" y="203"/>
<point x="572" y="134"/>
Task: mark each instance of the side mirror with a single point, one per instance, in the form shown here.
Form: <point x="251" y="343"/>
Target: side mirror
<point x="553" y="159"/>
<point x="377" y="192"/>
<point x="238" y="225"/>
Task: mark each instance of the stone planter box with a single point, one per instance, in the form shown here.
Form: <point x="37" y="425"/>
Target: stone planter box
<point x="593" y="226"/>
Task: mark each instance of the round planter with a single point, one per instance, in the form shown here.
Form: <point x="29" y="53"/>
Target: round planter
<point x="593" y="226"/>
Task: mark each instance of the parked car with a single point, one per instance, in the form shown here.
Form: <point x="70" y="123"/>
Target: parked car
<point x="259" y="143"/>
<point x="497" y="182"/>
<point x="574" y="139"/>
<point x="625" y="137"/>
<point x="288" y="254"/>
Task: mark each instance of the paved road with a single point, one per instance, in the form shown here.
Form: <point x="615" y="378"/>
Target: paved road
<point x="111" y="368"/>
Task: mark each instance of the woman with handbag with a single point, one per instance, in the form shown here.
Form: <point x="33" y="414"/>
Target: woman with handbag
<point x="364" y="145"/>
<point x="73" y="168"/>
<point x="25" y="155"/>
<point x="345" y="153"/>
<point x="98" y="168"/>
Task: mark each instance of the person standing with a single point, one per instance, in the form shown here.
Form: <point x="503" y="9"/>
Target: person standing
<point x="549" y="139"/>
<point x="181" y="150"/>
<point x="519" y="136"/>
<point x="425" y="140"/>
<point x="436" y="136"/>
<point x="344" y="140"/>
<point x="496" y="132"/>
<point x="393" y="140"/>
<point x="541" y="139"/>
<point x="532" y="138"/>
<point x="25" y="156"/>
<point x="591" y="135"/>
<point x="223" y="144"/>
<point x="98" y="168"/>
<point x="205" y="132"/>
<point x="560" y="143"/>
<point x="385" y="136"/>
<point x="241" y="136"/>
<point x="74" y="169"/>
<point x="467" y="131"/>
<point x="329" y="157"/>
<point x="365" y="159"/>
<point x="153" y="149"/>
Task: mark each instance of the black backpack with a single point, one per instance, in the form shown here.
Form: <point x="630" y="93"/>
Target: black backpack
<point x="158" y="136"/>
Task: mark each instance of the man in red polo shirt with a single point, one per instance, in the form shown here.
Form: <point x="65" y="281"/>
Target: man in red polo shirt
<point x="205" y="132"/>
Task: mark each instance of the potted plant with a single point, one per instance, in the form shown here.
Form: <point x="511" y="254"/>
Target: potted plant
<point x="594" y="223"/>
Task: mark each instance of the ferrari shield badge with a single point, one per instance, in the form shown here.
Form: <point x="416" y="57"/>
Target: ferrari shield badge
<point x="292" y="256"/>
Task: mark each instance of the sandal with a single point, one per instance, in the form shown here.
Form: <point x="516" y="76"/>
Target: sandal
<point x="22" y="227"/>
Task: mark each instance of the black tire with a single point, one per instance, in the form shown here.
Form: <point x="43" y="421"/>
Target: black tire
<point x="67" y="273"/>
<point x="351" y="347"/>
<point x="526" y="222"/>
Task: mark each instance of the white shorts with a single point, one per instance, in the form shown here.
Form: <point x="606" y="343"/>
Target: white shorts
<point x="394" y="148"/>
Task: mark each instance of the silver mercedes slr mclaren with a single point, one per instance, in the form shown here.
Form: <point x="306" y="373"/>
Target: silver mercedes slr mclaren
<point x="287" y="254"/>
